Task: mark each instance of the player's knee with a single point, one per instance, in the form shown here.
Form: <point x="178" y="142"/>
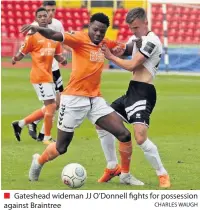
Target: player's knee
<point x="61" y="149"/>
<point x="125" y="136"/>
<point x="140" y="136"/>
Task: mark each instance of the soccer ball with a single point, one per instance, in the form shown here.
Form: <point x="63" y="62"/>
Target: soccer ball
<point x="74" y="175"/>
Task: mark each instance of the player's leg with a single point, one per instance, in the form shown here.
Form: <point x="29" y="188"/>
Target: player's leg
<point x="46" y="93"/>
<point x="18" y="125"/>
<point x="57" y="78"/>
<point x="52" y="151"/>
<point x="104" y="116"/>
<point x="139" y="108"/>
<point x="108" y="145"/>
<point x="50" y="108"/>
<point x="151" y="153"/>
<point x="69" y="118"/>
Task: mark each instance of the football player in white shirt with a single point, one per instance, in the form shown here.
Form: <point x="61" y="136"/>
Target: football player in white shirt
<point x="136" y="106"/>
<point x="56" y="25"/>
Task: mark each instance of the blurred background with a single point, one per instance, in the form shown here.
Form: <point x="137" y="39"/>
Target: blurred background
<point x="181" y="38"/>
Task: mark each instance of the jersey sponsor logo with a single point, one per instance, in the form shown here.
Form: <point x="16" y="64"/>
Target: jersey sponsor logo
<point x="96" y="56"/>
<point x="46" y="51"/>
<point x="149" y="47"/>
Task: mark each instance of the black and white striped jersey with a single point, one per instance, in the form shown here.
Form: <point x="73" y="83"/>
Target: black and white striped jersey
<point x="151" y="48"/>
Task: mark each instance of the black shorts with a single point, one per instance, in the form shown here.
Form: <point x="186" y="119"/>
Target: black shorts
<point x="137" y="104"/>
<point x="57" y="79"/>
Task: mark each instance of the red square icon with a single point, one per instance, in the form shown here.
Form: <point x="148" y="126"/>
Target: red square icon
<point x="6" y="195"/>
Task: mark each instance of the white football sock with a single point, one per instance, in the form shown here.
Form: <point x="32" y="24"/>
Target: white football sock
<point x="37" y="121"/>
<point x="42" y="129"/>
<point x="108" y="146"/>
<point x="21" y="123"/>
<point x="151" y="153"/>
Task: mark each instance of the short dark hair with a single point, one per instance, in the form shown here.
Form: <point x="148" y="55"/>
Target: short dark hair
<point x="39" y="10"/>
<point x="135" y="13"/>
<point x="48" y="3"/>
<point x="101" y="18"/>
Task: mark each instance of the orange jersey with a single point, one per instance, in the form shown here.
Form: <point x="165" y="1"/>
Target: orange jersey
<point x="42" y="51"/>
<point x="87" y="64"/>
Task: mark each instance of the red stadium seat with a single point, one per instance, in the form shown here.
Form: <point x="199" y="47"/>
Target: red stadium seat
<point x="186" y="10"/>
<point x="27" y="14"/>
<point x="120" y="37"/>
<point x="69" y="22"/>
<point x="3" y="21"/>
<point x="183" y="24"/>
<point x="10" y="7"/>
<point x="68" y="15"/>
<point x="196" y="40"/>
<point x="19" y="14"/>
<point x="181" y="32"/>
<point x="178" y="10"/>
<point x="118" y="16"/>
<point x="85" y="21"/>
<point x="26" y="7"/>
<point x="197" y="33"/>
<point x="59" y="15"/>
<point x="189" y="32"/>
<point x="157" y="24"/>
<point x="11" y="21"/>
<point x="180" y="39"/>
<point x="188" y="39"/>
<point x="19" y="21"/>
<point x="170" y="9"/>
<point x="193" y="17"/>
<point x="34" y="7"/>
<point x="116" y="22"/>
<point x="158" y="17"/>
<point x="171" y="39"/>
<point x="12" y="35"/>
<point x="85" y="15"/>
<point x="77" y="15"/>
<point x="173" y="24"/>
<point x="172" y="32"/>
<point x="78" y="22"/>
<point x="191" y="25"/>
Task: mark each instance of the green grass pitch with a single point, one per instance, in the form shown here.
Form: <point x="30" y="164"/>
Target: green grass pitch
<point x="175" y="129"/>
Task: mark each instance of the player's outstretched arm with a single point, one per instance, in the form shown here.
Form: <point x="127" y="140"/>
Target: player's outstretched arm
<point x="46" y="32"/>
<point x="17" y="57"/>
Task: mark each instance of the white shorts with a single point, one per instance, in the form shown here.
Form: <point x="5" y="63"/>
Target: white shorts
<point x="45" y="91"/>
<point x="74" y="109"/>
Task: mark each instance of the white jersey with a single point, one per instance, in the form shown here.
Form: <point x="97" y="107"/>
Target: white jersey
<point x="151" y="48"/>
<point x="55" y="25"/>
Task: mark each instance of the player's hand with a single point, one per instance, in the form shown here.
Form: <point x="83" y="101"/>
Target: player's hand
<point x="64" y="63"/>
<point x="13" y="60"/>
<point x="138" y="42"/>
<point x="28" y="27"/>
<point x="106" y="52"/>
<point x="118" y="51"/>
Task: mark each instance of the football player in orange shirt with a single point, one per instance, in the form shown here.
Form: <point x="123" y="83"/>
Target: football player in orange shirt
<point x="82" y="98"/>
<point x="42" y="51"/>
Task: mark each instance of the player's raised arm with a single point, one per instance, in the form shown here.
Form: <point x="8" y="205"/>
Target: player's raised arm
<point x="17" y="57"/>
<point x="46" y="32"/>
